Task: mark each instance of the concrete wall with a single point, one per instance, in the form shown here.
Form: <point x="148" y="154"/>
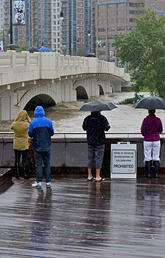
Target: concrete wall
<point x="70" y="151"/>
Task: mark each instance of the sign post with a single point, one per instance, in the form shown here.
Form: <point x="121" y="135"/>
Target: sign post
<point x="123" y="160"/>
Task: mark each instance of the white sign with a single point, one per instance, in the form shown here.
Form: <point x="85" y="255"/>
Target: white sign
<point x="123" y="160"/>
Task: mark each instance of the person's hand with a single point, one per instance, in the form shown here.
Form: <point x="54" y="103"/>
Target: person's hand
<point x="30" y="140"/>
<point x="28" y="119"/>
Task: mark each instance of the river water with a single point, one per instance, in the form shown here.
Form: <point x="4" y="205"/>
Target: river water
<point x="67" y="118"/>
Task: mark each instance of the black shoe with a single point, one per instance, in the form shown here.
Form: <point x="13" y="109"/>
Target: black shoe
<point x="148" y="167"/>
<point x="156" y="166"/>
<point x="17" y="175"/>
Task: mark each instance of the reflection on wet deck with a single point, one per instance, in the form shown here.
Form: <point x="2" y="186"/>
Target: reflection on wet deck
<point x="80" y="219"/>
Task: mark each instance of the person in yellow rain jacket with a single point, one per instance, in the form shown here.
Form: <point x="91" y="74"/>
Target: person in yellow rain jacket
<point x="20" y="143"/>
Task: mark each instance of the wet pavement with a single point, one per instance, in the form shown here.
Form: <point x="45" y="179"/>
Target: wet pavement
<point x="118" y="218"/>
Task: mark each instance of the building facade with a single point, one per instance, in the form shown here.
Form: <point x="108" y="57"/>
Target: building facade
<point x="85" y="26"/>
<point x="76" y="27"/>
<point x="119" y="16"/>
<point x="93" y="25"/>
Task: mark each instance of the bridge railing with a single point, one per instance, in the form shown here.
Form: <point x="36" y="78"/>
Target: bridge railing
<point x="19" y="67"/>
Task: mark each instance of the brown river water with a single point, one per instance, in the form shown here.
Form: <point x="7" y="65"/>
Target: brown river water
<point x="67" y="118"/>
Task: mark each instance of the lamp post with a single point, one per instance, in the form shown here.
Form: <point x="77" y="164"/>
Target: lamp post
<point x="89" y="41"/>
<point x="11" y="22"/>
<point x="61" y="41"/>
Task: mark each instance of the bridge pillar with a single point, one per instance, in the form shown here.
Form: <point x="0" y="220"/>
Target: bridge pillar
<point x="68" y="94"/>
<point x="107" y="87"/>
<point x="5" y="108"/>
<point x="117" y="87"/>
<point x="8" y="109"/>
<point x="92" y="89"/>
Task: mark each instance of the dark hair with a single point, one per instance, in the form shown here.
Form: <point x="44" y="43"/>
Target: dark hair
<point x="151" y="111"/>
<point x="97" y="113"/>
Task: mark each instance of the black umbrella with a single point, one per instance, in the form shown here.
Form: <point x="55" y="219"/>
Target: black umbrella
<point x="150" y="103"/>
<point x="95" y="106"/>
<point x="91" y="55"/>
<point x="33" y="49"/>
<point x="12" y="46"/>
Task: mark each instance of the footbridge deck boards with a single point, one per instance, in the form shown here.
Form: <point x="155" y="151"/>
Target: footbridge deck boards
<point x="79" y="219"/>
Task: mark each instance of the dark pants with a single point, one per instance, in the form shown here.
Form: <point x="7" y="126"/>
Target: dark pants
<point x="24" y="154"/>
<point x="95" y="156"/>
<point x="42" y="157"/>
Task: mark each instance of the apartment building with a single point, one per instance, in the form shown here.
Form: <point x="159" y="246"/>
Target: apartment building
<point x="69" y="34"/>
<point x="118" y="16"/>
<point x="1" y="14"/>
<point x="93" y="25"/>
<point x="56" y="26"/>
<point x="76" y="26"/>
<point x="158" y="6"/>
<point x="5" y="22"/>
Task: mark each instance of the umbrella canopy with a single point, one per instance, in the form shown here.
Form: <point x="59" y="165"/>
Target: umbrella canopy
<point x="150" y="103"/>
<point x="45" y="49"/>
<point x="96" y="106"/>
<point x="33" y="49"/>
<point x="91" y="55"/>
<point x="12" y="46"/>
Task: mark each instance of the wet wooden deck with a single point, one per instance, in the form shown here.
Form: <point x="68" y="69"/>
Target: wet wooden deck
<point x="80" y="219"/>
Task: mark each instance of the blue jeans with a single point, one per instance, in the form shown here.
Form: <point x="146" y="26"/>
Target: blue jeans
<point x="42" y="157"/>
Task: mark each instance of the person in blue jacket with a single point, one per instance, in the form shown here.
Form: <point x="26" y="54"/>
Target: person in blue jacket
<point x="41" y="130"/>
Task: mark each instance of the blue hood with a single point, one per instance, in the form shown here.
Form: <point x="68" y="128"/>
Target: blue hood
<point x="39" y="111"/>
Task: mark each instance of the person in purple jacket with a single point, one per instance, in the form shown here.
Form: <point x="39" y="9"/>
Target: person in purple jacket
<point x="151" y="129"/>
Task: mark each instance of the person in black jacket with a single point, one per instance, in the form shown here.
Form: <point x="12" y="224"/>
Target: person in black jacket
<point x="41" y="130"/>
<point x="95" y="125"/>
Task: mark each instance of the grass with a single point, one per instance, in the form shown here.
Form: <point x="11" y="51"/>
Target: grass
<point x="131" y="100"/>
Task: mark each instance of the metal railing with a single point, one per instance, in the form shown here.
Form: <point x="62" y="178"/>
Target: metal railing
<point x="69" y="134"/>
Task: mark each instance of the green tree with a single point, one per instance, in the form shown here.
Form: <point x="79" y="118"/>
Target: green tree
<point x="22" y="47"/>
<point x="80" y="52"/>
<point x="143" y="50"/>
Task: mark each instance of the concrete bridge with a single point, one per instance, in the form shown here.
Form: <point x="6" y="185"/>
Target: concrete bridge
<point x="30" y="79"/>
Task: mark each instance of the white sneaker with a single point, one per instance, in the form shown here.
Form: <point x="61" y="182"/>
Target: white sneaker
<point x="48" y="185"/>
<point x="36" y="185"/>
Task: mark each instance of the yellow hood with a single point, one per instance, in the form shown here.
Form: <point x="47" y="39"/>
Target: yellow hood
<point x="22" y="116"/>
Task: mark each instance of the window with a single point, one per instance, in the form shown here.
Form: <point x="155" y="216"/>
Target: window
<point x="111" y="29"/>
<point x="135" y="12"/>
<point x="120" y="28"/>
<point x="111" y="21"/>
<point x="137" y="5"/>
<point x="121" y="20"/>
<point x="132" y="19"/>
<point x="102" y="21"/>
<point x="101" y="37"/>
<point x="101" y="29"/>
<point x="110" y="36"/>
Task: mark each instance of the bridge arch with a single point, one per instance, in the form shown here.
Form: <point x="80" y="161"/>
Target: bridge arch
<point x="101" y="91"/>
<point x="40" y="100"/>
<point x="81" y="92"/>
